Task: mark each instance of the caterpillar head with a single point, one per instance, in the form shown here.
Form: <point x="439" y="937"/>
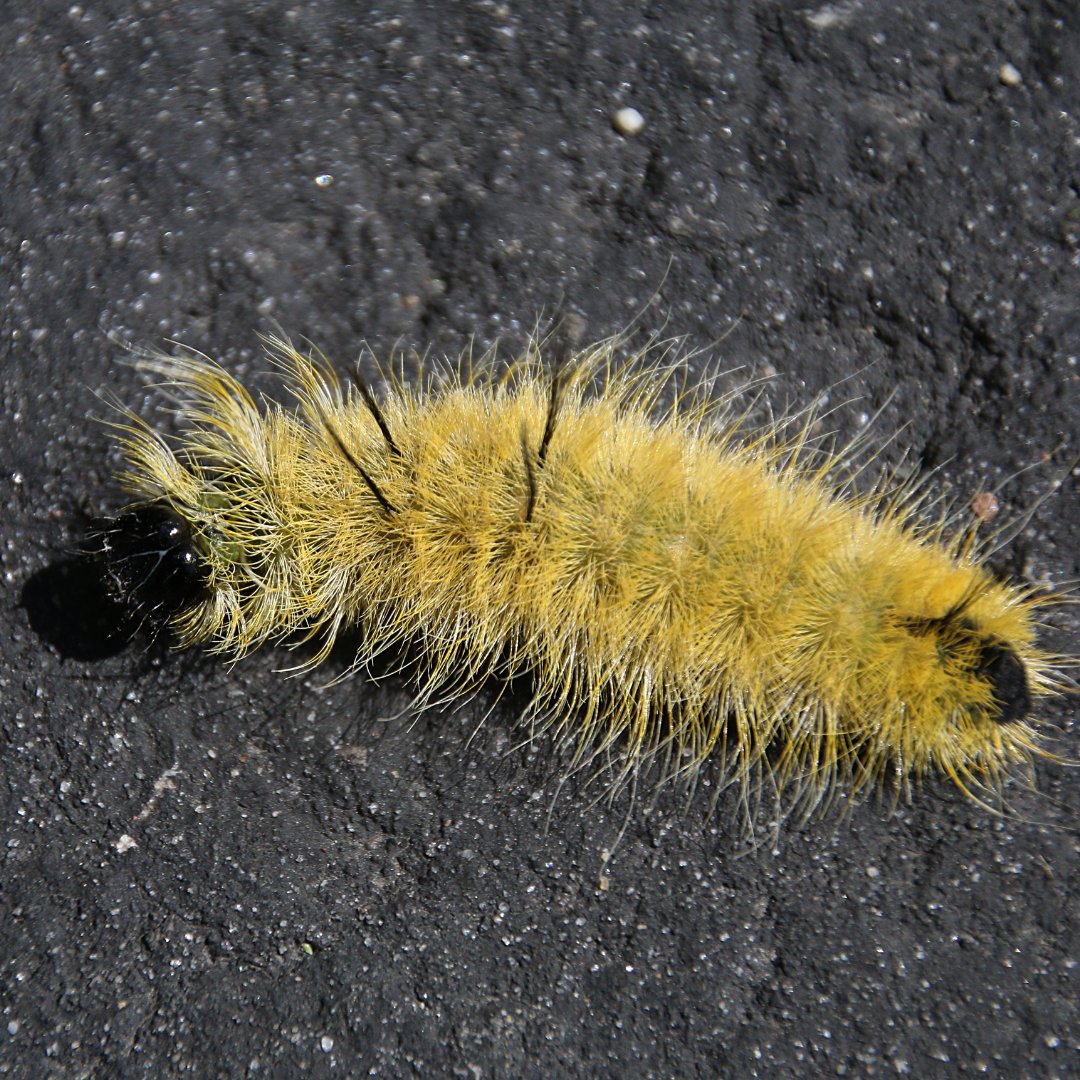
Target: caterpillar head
<point x="150" y="561"/>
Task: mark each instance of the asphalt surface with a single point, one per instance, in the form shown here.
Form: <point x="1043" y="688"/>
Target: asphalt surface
<point x="215" y="871"/>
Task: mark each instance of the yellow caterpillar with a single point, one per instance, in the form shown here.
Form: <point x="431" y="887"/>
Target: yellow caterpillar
<point x="676" y="587"/>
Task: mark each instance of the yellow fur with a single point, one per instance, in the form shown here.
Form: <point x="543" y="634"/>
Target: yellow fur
<point x="680" y="589"/>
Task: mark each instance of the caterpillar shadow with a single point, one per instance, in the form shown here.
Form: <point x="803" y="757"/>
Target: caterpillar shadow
<point x="70" y="608"/>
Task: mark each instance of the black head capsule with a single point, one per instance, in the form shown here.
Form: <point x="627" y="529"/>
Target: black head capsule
<point x="150" y="560"/>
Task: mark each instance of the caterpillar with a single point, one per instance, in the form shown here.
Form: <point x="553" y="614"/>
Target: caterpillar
<point x="678" y="585"/>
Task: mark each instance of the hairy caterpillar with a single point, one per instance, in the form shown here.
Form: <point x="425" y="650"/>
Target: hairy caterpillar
<point x="677" y="587"/>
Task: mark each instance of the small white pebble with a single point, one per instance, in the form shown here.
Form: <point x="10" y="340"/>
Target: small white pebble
<point x="628" y="122"/>
<point x="1010" y="75"/>
<point x="125" y="843"/>
<point x="323" y="180"/>
<point x="327" y="1044"/>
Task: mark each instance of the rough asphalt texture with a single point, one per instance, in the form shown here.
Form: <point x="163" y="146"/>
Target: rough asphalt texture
<point x="217" y="872"/>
